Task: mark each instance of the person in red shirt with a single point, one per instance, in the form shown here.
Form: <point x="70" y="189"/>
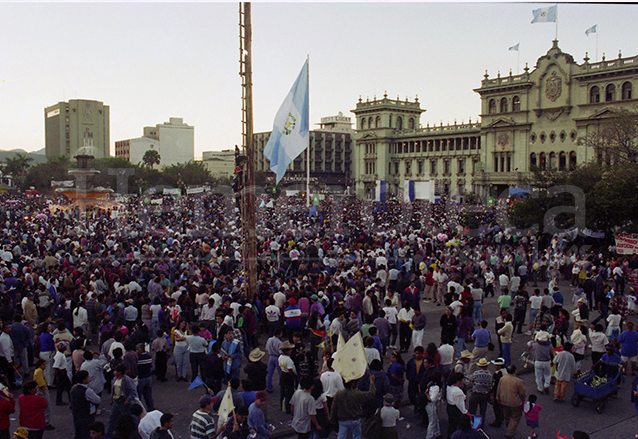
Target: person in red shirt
<point x="32" y="410"/>
<point x="7" y="407"/>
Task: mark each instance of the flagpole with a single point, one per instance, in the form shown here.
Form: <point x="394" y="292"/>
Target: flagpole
<point x="597" y="44"/>
<point x="518" y="61"/>
<point x="308" y="150"/>
<point x="556" y="36"/>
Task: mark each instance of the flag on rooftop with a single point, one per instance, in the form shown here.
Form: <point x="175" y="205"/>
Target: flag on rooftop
<point x="290" y="132"/>
<point x="545" y="15"/>
<point x="515" y="47"/>
<point x="591" y="30"/>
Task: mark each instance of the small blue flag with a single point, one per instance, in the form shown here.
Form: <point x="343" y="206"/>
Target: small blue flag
<point x="591" y="30"/>
<point x="313" y="211"/>
<point x="515" y="47"/>
<point x="545" y="15"/>
<point x="196" y="383"/>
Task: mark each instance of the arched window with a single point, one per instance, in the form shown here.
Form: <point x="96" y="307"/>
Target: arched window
<point x="492" y="107"/>
<point x="542" y="161"/>
<point x="363" y="123"/>
<point x="411" y="123"/>
<point x="516" y="103"/>
<point x="572" y="160"/>
<point x="562" y="161"/>
<point x="610" y="93"/>
<point x="378" y="122"/>
<point x="532" y="160"/>
<point x="626" y="91"/>
<point x="552" y="161"/>
<point x="399" y="123"/>
<point x="504" y="105"/>
<point x="370" y="121"/>
<point x="594" y="95"/>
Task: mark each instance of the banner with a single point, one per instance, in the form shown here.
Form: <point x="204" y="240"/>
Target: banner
<point x="591" y="234"/>
<point x="627" y="243"/>
<point x="171" y="191"/>
<point x="63" y="183"/>
<point x="194" y="190"/>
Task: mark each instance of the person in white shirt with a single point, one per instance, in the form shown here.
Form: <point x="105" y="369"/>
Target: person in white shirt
<point x="446" y="351"/>
<point x="371" y="353"/>
<point x="147" y="421"/>
<point x="455" y="402"/>
<point x="331" y="382"/>
<point x="433" y="395"/>
<point x="391" y="314"/>
<point x="273" y="317"/>
<point x="389" y="417"/>
<point x="504" y="281"/>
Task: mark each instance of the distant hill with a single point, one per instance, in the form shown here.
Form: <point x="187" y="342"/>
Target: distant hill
<point x="37" y="156"/>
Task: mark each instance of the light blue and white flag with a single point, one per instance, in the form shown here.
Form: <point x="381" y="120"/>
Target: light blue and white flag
<point x="379" y="193"/>
<point x="514" y="47"/>
<point x="290" y="131"/>
<point x="591" y="30"/>
<point x="545" y="15"/>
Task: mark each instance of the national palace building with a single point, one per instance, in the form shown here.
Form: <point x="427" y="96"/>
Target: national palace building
<point x="537" y="118"/>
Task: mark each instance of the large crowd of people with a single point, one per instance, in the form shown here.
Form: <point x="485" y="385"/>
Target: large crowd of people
<point x="96" y="306"/>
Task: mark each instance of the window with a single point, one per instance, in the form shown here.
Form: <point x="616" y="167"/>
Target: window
<point x="532" y="138"/>
<point x="443" y="145"/>
<point x="532" y="160"/>
<point x="495" y="163"/>
<point x="411" y="123"/>
<point x="572" y="160"/>
<point x="461" y="166"/>
<point x="411" y="146"/>
<point x="370" y="123"/>
<point x="626" y="91"/>
<point x="446" y="167"/>
<point x="378" y="122"/>
<point x="390" y="168"/>
<point x="562" y="161"/>
<point x="552" y="136"/>
<point x="363" y="123"/>
<point x="396" y="168"/>
<point x="594" y="95"/>
<point x="491" y="107"/>
<point x="432" y="167"/>
<point x="504" y="105"/>
<point x="420" y="167"/>
<point x="509" y="162"/>
<point x="552" y="161"/>
<point x="408" y="167"/>
<point x="542" y="161"/>
<point x="399" y="123"/>
<point x="610" y="93"/>
<point x="516" y="103"/>
<point x="562" y="136"/>
<point x="418" y="146"/>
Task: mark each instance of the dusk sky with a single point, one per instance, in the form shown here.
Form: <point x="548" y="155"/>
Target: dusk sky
<point x="153" y="61"/>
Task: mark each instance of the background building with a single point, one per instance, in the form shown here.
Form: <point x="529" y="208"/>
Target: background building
<point x="331" y="149"/>
<point x="220" y="164"/>
<point x="536" y="119"/>
<point x="74" y="124"/>
<point x="174" y="140"/>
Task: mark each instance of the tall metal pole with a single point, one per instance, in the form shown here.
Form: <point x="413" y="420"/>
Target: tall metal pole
<point x="249" y="243"/>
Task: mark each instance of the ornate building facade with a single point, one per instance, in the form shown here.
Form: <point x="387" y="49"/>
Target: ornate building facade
<point x="538" y="118"/>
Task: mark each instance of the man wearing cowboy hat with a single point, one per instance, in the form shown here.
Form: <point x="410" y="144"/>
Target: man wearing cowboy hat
<point x="481" y="382"/>
<point x="256" y="370"/>
<point x="463" y="366"/>
<point x="541" y="349"/>
<point x="499" y="364"/>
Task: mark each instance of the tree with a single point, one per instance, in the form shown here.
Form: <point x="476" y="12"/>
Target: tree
<point x="615" y="140"/>
<point x="17" y="166"/>
<point x="190" y="173"/>
<point x="151" y="158"/>
<point x="41" y="175"/>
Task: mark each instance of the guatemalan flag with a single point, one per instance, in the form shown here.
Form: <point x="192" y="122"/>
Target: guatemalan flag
<point x="290" y="131"/>
<point x="545" y="15"/>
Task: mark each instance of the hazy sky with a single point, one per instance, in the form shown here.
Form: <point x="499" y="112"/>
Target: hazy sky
<point x="152" y="61"/>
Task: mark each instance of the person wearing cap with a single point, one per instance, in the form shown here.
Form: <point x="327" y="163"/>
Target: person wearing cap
<point x="256" y="417"/>
<point x="541" y="349"/>
<point x="481" y="382"/>
<point x="389" y="417"/>
<point x="20" y="433"/>
<point x="256" y="370"/>
<point x="202" y="424"/>
<point x="609" y="364"/>
<point x="288" y="377"/>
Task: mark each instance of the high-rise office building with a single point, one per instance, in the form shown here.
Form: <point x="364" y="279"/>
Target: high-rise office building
<point x="71" y="125"/>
